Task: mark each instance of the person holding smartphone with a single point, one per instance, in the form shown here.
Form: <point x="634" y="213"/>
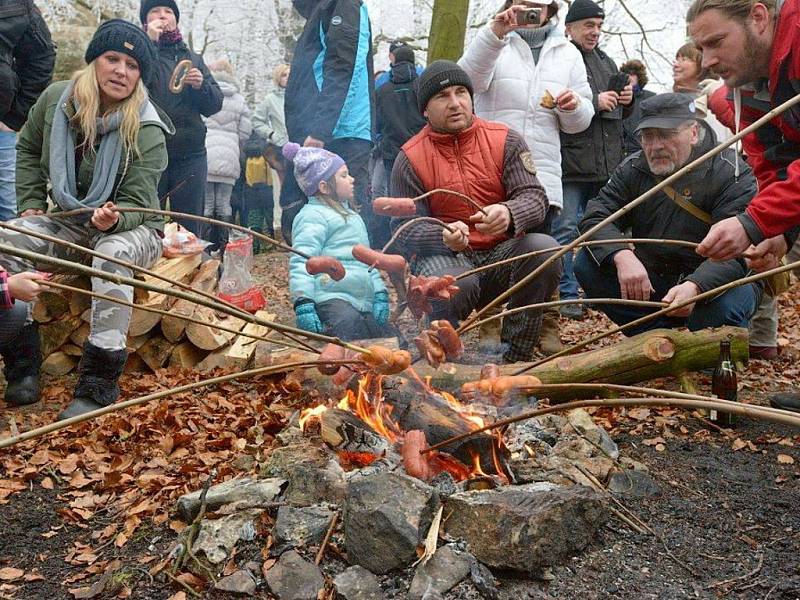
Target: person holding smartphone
<point x="590" y="157"/>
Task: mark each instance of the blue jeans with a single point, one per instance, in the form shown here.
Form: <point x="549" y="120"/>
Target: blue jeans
<point x="565" y="229"/>
<point x="735" y="307"/>
<point x="8" y="163"/>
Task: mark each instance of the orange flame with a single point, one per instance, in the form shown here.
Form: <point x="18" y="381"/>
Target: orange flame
<point x="311" y="414"/>
<point x="477" y="471"/>
<point x="368" y="405"/>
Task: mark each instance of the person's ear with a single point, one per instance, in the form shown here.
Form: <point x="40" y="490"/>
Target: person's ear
<point x="760" y="17"/>
<point x="324" y="188"/>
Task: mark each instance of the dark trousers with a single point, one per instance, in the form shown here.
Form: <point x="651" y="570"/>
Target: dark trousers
<point x="341" y="319"/>
<point x="520" y="331"/>
<point x="356" y="154"/>
<point x="183" y="184"/>
<point x="735" y="307"/>
<point x="12" y="320"/>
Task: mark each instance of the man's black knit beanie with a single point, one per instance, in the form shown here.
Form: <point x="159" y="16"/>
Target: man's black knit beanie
<point x="148" y="5"/>
<point x="584" y="9"/>
<point x="127" y="38"/>
<point x="440" y="75"/>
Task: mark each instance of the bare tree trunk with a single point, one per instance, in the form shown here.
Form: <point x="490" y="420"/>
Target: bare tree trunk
<point x="448" y="29"/>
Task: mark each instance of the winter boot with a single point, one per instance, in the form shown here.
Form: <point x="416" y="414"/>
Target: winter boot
<point x="22" y="358"/>
<point x="549" y="340"/>
<point x="98" y="375"/>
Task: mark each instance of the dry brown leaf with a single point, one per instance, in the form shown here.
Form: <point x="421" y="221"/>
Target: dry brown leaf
<point x="178" y="596"/>
<point x="47" y="483"/>
<point x="653" y="441"/>
<point x="738" y="444"/>
<point x="11" y="574"/>
<point x="785" y="459"/>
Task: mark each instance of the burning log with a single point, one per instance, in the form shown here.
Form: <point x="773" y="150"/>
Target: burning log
<point x="437" y="420"/>
<point x="343" y="431"/>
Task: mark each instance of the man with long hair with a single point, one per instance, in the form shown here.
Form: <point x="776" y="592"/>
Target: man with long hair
<point x="754" y="46"/>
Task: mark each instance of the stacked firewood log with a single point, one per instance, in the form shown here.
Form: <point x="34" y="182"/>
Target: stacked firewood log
<point x="154" y="340"/>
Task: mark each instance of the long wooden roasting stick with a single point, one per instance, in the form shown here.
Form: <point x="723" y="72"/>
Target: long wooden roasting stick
<point x="705" y="295"/>
<point x="630" y="206"/>
<point x="165" y="313"/>
<point x="518" y="309"/>
<point x="507" y="261"/>
<point x="744" y="410"/>
<point x="137" y="269"/>
<point x="411" y="223"/>
<point x="271" y="370"/>
<point x="121" y="280"/>
<point x="171" y="213"/>
<point x="464" y="197"/>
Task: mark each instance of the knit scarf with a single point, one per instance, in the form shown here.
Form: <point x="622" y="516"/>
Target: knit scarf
<point x="535" y="38"/>
<point x="170" y="38"/>
<point x="63" y="171"/>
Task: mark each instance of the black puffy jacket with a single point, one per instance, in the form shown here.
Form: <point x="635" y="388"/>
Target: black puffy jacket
<point x="712" y="186"/>
<point x="593" y="154"/>
<point x="27" y="59"/>
<point x="398" y="113"/>
<point x="187" y="108"/>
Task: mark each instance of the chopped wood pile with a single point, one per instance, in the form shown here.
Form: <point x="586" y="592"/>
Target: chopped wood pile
<point x="154" y="340"/>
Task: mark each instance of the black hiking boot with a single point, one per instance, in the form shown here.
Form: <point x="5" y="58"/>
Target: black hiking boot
<point x="98" y="376"/>
<point x="22" y="358"/>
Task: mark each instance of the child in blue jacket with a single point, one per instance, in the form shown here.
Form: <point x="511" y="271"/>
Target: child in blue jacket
<point x="357" y="307"/>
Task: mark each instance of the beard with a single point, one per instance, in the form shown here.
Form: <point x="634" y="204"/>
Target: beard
<point x="665" y="166"/>
<point x="755" y="55"/>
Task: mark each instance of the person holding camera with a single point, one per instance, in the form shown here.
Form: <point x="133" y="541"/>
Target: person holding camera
<point x="590" y="157"/>
<point x="528" y="76"/>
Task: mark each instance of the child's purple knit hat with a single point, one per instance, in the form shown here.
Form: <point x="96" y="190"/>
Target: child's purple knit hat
<point x="312" y="166"/>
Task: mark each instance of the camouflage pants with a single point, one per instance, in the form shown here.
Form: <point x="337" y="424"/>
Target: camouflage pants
<point x="140" y="246"/>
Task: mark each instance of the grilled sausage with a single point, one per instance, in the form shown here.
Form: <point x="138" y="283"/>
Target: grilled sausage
<point x="391" y="263"/>
<point x="394" y="207"/>
<point x="317" y="265"/>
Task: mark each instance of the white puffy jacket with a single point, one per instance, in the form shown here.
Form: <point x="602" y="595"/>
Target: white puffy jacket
<point x="228" y="130"/>
<point x="509" y="86"/>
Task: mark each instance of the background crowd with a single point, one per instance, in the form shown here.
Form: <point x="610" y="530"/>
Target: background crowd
<point x="535" y="122"/>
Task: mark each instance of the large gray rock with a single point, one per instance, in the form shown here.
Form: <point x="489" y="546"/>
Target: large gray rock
<point x="356" y="583"/>
<point x="283" y="460"/>
<point x="311" y="484"/>
<point x="525" y="528"/>
<point x="446" y="568"/>
<point x="218" y="537"/>
<point x="244" y="492"/>
<point x="386" y="517"/>
<point x="297" y="527"/>
<point x="294" y="578"/>
<point x="239" y="582"/>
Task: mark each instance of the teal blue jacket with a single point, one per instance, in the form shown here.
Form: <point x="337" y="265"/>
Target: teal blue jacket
<point x="318" y="230"/>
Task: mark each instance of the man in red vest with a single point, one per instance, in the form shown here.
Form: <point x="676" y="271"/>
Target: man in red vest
<point x="491" y="164"/>
<point x="754" y="46"/>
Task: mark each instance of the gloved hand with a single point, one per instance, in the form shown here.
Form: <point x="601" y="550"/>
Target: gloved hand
<point x="307" y="317"/>
<point x="380" y="307"/>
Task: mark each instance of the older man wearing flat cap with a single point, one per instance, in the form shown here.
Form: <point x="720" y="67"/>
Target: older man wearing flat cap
<point x="671" y="136"/>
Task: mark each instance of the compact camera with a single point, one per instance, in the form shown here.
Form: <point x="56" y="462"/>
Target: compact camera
<point x="529" y="17"/>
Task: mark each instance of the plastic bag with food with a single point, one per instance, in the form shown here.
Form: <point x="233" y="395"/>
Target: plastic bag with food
<point x="236" y="284"/>
<point x="179" y="241"/>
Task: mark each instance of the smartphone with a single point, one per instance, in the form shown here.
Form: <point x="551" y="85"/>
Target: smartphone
<point x="618" y="81"/>
<point x="529" y="17"/>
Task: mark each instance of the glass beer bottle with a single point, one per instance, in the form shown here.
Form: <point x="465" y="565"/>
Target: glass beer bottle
<point x="724" y="385"/>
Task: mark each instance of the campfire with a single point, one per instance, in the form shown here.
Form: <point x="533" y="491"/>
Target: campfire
<point x="371" y="423"/>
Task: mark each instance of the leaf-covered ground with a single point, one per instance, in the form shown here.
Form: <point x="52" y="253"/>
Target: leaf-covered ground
<point x="94" y="504"/>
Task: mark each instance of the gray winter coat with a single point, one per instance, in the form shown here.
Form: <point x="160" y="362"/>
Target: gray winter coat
<point x="269" y="120"/>
<point x="228" y="130"/>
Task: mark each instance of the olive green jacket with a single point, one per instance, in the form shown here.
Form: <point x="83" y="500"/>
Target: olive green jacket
<point x="136" y="184"/>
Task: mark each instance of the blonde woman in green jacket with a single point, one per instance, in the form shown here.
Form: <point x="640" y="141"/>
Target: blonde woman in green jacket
<point x="97" y="142"/>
